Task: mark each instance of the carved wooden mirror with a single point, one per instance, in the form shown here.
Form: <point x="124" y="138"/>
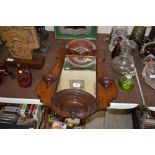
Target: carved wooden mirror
<point x="77" y="86"/>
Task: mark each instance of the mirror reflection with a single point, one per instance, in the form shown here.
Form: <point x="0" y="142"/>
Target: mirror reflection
<point x="79" y="72"/>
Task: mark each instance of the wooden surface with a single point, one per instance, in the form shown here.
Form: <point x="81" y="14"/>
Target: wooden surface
<point x="9" y="88"/>
<point x="122" y="96"/>
<point x="148" y="92"/>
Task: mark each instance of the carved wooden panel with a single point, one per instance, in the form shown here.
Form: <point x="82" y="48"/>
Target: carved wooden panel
<point x="20" y="40"/>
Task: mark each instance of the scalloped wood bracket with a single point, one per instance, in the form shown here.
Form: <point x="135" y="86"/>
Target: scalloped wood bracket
<point x="47" y="87"/>
<point x="106" y="89"/>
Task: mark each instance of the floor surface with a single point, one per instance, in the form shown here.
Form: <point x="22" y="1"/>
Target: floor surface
<point x="112" y="119"/>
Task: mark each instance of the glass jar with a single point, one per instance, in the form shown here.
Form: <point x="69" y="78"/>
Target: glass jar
<point x="127" y="82"/>
<point x="24" y="76"/>
<point x="124" y="61"/>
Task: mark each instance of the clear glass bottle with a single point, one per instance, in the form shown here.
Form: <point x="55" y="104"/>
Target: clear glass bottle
<point x="124" y="61"/>
<point x="127" y="82"/>
<point x="118" y="32"/>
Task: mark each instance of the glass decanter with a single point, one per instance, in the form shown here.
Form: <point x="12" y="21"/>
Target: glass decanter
<point x="124" y="61"/>
<point x="118" y="32"/>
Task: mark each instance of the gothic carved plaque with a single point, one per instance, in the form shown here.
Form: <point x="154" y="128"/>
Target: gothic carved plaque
<point x="20" y="40"/>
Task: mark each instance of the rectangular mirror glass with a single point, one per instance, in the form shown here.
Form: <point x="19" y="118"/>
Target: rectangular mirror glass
<point x="79" y="72"/>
